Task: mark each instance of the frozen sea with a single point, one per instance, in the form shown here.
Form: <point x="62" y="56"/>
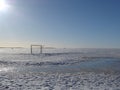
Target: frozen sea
<point x="60" y="69"/>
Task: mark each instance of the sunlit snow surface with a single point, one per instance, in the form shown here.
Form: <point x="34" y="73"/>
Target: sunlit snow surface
<point x="60" y="69"/>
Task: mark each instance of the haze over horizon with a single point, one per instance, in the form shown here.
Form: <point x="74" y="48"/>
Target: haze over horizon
<point x="60" y="23"/>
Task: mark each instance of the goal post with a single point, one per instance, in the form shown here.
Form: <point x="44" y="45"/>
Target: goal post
<point x="36" y="49"/>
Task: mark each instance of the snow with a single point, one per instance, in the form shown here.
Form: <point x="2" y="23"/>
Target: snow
<point x="55" y="81"/>
<point x="13" y="79"/>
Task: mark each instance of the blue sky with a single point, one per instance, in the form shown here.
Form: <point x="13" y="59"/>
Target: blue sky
<point x="62" y="23"/>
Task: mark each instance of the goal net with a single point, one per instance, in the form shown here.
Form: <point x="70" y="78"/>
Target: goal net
<point x="36" y="49"/>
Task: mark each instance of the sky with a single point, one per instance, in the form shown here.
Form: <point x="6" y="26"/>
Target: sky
<point x="61" y="23"/>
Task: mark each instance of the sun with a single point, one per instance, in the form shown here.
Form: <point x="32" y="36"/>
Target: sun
<point x="3" y="5"/>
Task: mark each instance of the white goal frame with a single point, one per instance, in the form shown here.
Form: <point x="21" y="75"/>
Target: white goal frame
<point x="40" y="47"/>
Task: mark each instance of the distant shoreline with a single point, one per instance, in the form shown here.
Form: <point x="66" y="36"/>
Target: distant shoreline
<point x="11" y="47"/>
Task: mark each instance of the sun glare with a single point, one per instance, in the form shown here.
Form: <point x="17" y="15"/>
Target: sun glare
<point x="3" y="5"/>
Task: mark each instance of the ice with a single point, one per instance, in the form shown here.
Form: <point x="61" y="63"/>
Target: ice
<point x="12" y="59"/>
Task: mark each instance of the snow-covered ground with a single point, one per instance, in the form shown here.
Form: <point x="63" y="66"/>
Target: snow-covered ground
<point x="19" y="70"/>
<point x="59" y="81"/>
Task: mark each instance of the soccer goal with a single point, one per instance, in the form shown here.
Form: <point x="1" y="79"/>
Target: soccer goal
<point x="36" y="49"/>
